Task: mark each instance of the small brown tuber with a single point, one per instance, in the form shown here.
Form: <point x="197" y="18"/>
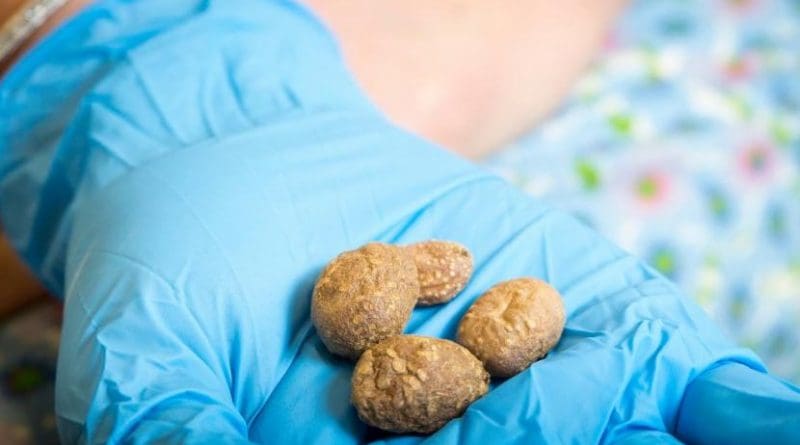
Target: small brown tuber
<point x="364" y="296"/>
<point x="444" y="268"/>
<point x="413" y="384"/>
<point x="512" y="325"/>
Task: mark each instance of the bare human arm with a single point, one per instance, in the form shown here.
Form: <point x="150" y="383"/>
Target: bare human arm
<point x="468" y="75"/>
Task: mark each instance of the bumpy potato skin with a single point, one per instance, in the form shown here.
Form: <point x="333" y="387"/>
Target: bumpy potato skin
<point x="413" y="384"/>
<point x="444" y="268"/>
<point x="512" y="325"/>
<point x="364" y="296"/>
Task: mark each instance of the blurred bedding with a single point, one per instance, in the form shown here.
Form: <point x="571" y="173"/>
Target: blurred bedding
<point x="28" y="348"/>
<point x="682" y="144"/>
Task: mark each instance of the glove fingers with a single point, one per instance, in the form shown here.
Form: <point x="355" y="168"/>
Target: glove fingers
<point x="736" y="404"/>
<point x="585" y="391"/>
<point x="549" y="402"/>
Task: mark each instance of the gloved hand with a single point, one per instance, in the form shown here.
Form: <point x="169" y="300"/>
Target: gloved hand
<point x="189" y="281"/>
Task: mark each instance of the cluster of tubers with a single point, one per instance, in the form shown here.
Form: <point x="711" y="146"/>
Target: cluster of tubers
<point x="363" y="300"/>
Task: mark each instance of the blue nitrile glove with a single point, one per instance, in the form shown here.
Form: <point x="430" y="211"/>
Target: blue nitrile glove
<point x="189" y="282"/>
<point x="189" y="214"/>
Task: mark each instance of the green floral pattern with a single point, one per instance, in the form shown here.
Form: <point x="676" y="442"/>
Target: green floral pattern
<point x="682" y="144"/>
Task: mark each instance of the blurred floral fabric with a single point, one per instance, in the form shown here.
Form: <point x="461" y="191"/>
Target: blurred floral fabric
<point x="28" y="350"/>
<point x="682" y="144"/>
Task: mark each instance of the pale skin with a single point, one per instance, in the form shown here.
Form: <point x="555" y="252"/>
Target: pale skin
<point x="468" y="75"/>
